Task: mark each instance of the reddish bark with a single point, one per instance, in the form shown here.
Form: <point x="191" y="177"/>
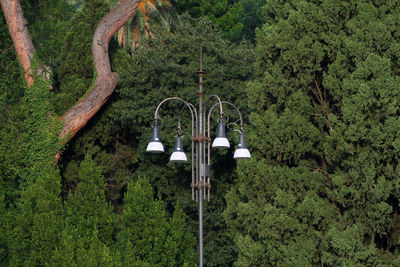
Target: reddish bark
<point x="78" y="116"/>
<point x="16" y="24"/>
<point x="106" y="81"/>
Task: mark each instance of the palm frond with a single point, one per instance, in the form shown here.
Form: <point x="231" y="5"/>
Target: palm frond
<point x="138" y="30"/>
<point x="121" y="36"/>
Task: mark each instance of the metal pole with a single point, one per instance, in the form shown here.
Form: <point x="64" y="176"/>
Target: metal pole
<point x="202" y="163"/>
<point x="200" y="168"/>
<point x="200" y="230"/>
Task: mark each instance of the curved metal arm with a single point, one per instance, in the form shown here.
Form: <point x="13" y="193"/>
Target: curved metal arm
<point x="182" y="109"/>
<point x="208" y="126"/>
<point x="228" y="103"/>
<point x="172" y="98"/>
<point x="221" y="112"/>
<point x="192" y="108"/>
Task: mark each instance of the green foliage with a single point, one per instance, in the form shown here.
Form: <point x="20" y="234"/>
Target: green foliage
<point x="38" y="212"/>
<point x="5" y="225"/>
<point x="48" y="23"/>
<point x="75" y="73"/>
<point x="89" y="223"/>
<point x="11" y="92"/>
<point x="11" y="82"/>
<point x="36" y="226"/>
<point x="322" y="188"/>
<point x="237" y="20"/>
<point x="89" y="251"/>
<point x="87" y="209"/>
<point x="148" y="237"/>
<point x="169" y="69"/>
<point x="110" y="146"/>
<point x="139" y="29"/>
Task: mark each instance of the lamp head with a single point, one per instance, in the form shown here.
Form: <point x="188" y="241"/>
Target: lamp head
<point x="178" y="155"/>
<point x="155" y="145"/>
<point x="242" y="152"/>
<point x="221" y="141"/>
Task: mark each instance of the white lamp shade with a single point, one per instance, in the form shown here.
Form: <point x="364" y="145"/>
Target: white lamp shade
<point x="178" y="157"/>
<point x="242" y="153"/>
<point x="155" y="147"/>
<point x="220" y="142"/>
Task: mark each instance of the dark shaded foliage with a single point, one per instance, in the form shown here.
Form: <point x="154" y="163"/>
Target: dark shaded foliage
<point x="322" y="188"/>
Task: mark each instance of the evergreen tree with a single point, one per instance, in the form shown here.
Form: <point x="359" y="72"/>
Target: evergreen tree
<point x="11" y="117"/>
<point x="180" y="242"/>
<point x="35" y="228"/>
<point x="169" y="69"/>
<point x="4" y="227"/>
<point x="87" y="208"/>
<point x="111" y="148"/>
<point x="48" y="22"/>
<point x="88" y="224"/>
<point x="118" y="135"/>
<point x="38" y="214"/>
<point x="75" y="73"/>
<point x="88" y="251"/>
<point x="29" y="184"/>
<point x="103" y="137"/>
<point x="147" y="236"/>
<point x="322" y="188"/>
<point x="237" y="20"/>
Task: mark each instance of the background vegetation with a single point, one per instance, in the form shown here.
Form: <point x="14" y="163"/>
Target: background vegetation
<point x="317" y="81"/>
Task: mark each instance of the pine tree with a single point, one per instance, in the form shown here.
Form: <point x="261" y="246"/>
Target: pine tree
<point x="89" y="222"/>
<point x="4" y="220"/>
<point x="169" y="69"/>
<point x="48" y="22"/>
<point x="322" y="188"/>
<point x="147" y="236"/>
<point x="180" y="242"/>
<point x="38" y="213"/>
<point x="87" y="208"/>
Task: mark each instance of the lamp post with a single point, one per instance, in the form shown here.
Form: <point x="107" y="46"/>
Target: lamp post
<point x="201" y="145"/>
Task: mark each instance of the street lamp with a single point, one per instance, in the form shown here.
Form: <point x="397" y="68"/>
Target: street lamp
<point x="201" y="145"/>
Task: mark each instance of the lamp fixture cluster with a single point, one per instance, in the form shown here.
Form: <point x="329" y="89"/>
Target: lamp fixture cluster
<point x="201" y="145"/>
<point x="220" y="142"/>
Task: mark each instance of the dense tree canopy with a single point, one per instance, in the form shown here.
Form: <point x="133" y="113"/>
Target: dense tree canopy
<point x="317" y="82"/>
<point x="236" y="19"/>
<point x="325" y="107"/>
<point x="117" y="138"/>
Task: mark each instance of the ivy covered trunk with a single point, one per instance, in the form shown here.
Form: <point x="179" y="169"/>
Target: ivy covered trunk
<point x="78" y="115"/>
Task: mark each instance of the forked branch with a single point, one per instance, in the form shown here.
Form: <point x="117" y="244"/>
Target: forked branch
<point x="77" y="116"/>
<point x="321" y="98"/>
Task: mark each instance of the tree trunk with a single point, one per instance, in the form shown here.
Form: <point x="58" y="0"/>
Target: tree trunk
<point x="106" y="81"/>
<point x="16" y="24"/>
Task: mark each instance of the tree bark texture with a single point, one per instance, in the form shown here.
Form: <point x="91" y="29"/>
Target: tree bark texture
<point x="106" y="81"/>
<point x="16" y="24"/>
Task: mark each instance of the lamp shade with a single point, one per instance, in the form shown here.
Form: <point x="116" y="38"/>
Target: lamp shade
<point x="242" y="152"/>
<point x="155" y="145"/>
<point x="178" y="155"/>
<point x="221" y="141"/>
